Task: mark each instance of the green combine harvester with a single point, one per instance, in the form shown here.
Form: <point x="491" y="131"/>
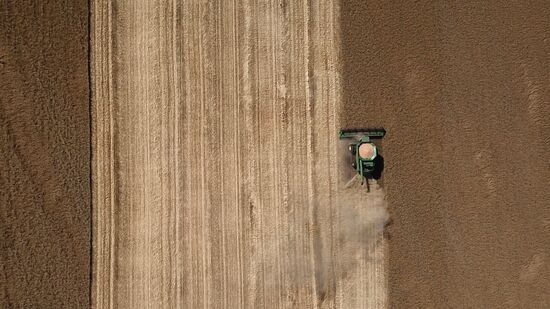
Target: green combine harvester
<point x="366" y="160"/>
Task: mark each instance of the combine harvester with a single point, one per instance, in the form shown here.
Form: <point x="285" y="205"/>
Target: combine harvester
<point x="366" y="160"/>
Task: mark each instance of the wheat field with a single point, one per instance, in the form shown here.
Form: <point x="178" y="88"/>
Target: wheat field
<point x="216" y="163"/>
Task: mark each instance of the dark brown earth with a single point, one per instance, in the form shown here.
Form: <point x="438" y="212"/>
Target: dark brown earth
<point x="463" y="92"/>
<point x="44" y="155"/>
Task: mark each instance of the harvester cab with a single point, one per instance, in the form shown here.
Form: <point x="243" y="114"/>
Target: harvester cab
<point x="366" y="160"/>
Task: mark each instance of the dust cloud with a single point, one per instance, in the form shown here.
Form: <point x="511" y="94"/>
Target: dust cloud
<point x="362" y="214"/>
<point x="361" y="218"/>
<point x="339" y="258"/>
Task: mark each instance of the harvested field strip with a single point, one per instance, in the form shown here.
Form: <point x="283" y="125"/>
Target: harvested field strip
<point x="215" y="168"/>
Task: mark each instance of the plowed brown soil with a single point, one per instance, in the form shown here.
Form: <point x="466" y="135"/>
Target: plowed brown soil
<point x="44" y="155"/>
<point x="463" y="92"/>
